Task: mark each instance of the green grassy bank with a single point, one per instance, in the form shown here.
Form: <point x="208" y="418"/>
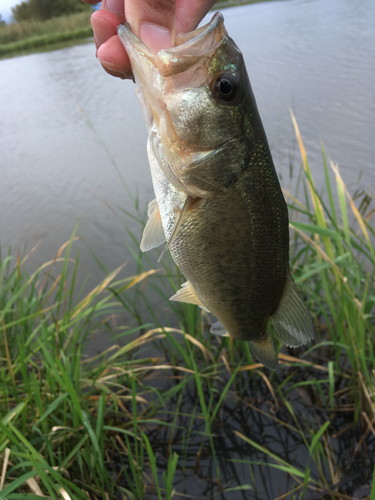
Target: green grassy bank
<point x="167" y="410"/>
<point x="27" y="36"/>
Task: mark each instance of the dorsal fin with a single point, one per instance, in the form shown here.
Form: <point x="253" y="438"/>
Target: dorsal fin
<point x="292" y="320"/>
<point x="153" y="233"/>
<point x="187" y="294"/>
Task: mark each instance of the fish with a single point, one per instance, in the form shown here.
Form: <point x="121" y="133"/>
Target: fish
<point x="218" y="204"/>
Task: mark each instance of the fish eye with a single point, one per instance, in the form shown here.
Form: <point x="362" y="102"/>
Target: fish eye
<point x="226" y="87"/>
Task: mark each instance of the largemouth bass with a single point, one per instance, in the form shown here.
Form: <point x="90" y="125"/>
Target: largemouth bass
<point x="219" y="204"/>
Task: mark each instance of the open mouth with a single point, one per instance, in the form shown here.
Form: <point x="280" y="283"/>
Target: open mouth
<point x="188" y="50"/>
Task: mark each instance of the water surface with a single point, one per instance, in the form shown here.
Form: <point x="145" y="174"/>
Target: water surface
<point x="314" y="56"/>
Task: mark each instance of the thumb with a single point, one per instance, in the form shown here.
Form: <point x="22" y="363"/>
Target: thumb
<point x="152" y="21"/>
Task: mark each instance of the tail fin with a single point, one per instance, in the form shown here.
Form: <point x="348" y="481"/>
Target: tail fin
<point x="264" y="351"/>
<point x="292" y="320"/>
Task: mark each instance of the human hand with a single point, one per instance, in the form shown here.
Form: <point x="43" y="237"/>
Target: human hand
<point x="155" y="22"/>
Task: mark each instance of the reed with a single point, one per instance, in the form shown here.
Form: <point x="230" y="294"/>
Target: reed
<point x="168" y="405"/>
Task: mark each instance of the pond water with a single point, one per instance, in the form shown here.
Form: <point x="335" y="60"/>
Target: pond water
<point x="314" y="56"/>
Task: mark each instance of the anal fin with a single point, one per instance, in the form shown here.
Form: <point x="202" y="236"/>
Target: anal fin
<point x="264" y="350"/>
<point x="292" y="320"/>
<point x="187" y="294"/>
<point x="153" y="234"/>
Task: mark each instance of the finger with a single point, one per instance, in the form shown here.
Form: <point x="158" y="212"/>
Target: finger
<point x="112" y="55"/>
<point x="152" y="21"/>
<point x="123" y="76"/>
<point x="115" y="6"/>
<point x="189" y="14"/>
<point x="110" y="50"/>
<point x="104" y="25"/>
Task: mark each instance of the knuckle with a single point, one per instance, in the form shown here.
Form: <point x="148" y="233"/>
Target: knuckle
<point x="165" y="7"/>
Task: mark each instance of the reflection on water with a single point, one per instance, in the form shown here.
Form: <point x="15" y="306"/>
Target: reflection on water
<point x="314" y="56"/>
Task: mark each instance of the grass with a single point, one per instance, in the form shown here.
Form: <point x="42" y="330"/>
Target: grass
<point x="28" y="35"/>
<point x="170" y="411"/>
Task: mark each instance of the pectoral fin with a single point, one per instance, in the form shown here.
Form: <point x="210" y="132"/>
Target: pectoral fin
<point x="187" y="294"/>
<point x="292" y="320"/>
<point x="151" y="207"/>
<point x="264" y="350"/>
<point x="180" y="217"/>
<point x="219" y="330"/>
<point x="153" y="234"/>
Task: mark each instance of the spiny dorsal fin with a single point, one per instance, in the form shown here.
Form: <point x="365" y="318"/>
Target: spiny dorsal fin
<point x="219" y="330"/>
<point x="292" y="320"/>
<point x="264" y="350"/>
<point x="153" y="234"/>
<point x="187" y="294"/>
<point x="180" y="217"/>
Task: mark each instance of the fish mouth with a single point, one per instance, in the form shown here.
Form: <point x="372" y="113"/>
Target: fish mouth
<point x="164" y="81"/>
<point x="187" y="51"/>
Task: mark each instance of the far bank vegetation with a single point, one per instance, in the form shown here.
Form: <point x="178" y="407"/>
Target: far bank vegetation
<point x="41" y="22"/>
<point x="38" y="23"/>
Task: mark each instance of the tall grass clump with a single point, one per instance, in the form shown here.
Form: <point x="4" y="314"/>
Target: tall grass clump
<point x="33" y="33"/>
<point x="334" y="258"/>
<point x="169" y="411"/>
<point x="55" y="432"/>
<point x="14" y="32"/>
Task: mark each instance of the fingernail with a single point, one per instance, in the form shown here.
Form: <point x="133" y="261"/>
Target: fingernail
<point x="155" y="37"/>
<point x="115" y="6"/>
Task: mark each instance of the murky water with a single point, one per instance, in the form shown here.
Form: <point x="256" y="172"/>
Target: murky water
<point x="314" y="56"/>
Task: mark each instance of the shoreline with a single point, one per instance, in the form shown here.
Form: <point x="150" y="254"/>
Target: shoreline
<point x="48" y="42"/>
<point x="53" y="40"/>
